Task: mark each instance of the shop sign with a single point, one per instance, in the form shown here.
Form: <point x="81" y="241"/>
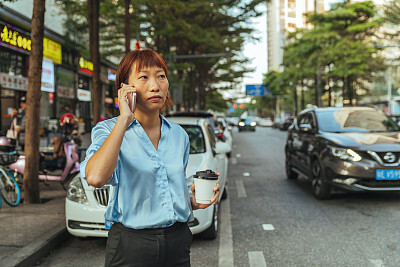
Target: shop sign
<point x="116" y="102"/>
<point x="15" y="38"/>
<point x="86" y="66"/>
<point x="47" y="76"/>
<point x="65" y="92"/>
<point x="84" y="95"/>
<point x="112" y="74"/>
<point x="13" y="82"/>
<point x="52" y="50"/>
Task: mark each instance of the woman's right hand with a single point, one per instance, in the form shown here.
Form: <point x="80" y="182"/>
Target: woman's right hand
<point x="123" y="103"/>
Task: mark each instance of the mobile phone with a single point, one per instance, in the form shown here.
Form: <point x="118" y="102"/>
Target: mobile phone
<point x="131" y="101"/>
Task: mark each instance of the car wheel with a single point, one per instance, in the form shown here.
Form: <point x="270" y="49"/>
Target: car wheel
<point x="225" y="193"/>
<point x="290" y="174"/>
<point x="229" y="154"/>
<point x="211" y="232"/>
<point x="320" y="186"/>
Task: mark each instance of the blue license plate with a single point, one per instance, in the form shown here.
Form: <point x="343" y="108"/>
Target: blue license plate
<point x="387" y="174"/>
<point x="108" y="225"/>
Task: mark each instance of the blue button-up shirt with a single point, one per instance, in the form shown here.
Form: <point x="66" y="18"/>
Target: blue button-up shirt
<point x="149" y="187"/>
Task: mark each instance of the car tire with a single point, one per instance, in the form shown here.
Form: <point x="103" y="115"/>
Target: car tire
<point x="320" y="186"/>
<point x="225" y="193"/>
<point x="290" y="174"/>
<point x="211" y="232"/>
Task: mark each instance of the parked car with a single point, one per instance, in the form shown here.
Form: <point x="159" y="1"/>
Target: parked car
<point x="395" y="118"/>
<point x="276" y="123"/>
<point x="265" y="122"/>
<point x="227" y="133"/>
<point x="85" y="205"/>
<point x="247" y="124"/>
<point x="212" y="121"/>
<point x="284" y="125"/>
<point x="348" y="148"/>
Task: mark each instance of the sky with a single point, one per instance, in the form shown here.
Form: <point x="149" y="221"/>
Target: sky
<point x="257" y="51"/>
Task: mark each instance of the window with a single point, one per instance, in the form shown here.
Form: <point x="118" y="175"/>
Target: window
<point x="12" y="63"/>
<point x="211" y="136"/>
<point x="196" y="139"/>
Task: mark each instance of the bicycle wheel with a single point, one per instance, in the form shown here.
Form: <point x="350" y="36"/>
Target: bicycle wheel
<point x="9" y="188"/>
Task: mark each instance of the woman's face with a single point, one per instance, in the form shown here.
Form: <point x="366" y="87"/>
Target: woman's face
<point x="151" y="87"/>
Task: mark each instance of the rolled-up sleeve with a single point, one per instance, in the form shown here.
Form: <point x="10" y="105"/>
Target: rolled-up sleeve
<point x="99" y="134"/>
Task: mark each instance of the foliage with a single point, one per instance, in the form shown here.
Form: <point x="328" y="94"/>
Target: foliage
<point x="174" y="28"/>
<point x="215" y="101"/>
<point x="338" y="47"/>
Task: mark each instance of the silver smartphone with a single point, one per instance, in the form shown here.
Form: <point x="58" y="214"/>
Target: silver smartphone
<point x="131" y="100"/>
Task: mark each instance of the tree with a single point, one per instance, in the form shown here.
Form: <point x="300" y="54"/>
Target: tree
<point x="93" y="18"/>
<point x="127" y="26"/>
<point x="32" y="138"/>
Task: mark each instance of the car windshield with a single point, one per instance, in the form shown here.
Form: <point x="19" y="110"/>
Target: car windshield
<point x="350" y="120"/>
<point x="247" y="120"/>
<point x="196" y="139"/>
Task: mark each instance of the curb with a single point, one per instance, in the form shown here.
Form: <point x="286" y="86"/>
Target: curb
<point x="34" y="251"/>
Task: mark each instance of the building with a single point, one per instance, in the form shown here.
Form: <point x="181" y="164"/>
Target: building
<point x="66" y="75"/>
<point x="283" y="17"/>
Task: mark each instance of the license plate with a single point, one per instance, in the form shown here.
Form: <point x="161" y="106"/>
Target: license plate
<point x="387" y="174"/>
<point x="108" y="225"/>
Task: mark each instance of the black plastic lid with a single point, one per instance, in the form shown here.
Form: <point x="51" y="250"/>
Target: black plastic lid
<point x="207" y="174"/>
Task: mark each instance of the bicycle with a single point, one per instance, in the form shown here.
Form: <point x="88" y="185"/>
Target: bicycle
<point x="9" y="188"/>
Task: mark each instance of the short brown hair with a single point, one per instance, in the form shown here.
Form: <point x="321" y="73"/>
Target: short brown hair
<point x="143" y="59"/>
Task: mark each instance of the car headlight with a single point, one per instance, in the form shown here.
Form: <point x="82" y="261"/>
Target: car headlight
<point x="253" y="123"/>
<point x="76" y="192"/>
<point x="241" y="123"/>
<point x="345" y="153"/>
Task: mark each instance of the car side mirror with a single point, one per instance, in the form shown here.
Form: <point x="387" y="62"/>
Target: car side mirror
<point x="306" y="128"/>
<point x="221" y="148"/>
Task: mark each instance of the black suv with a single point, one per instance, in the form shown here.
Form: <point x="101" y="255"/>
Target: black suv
<point x="351" y="148"/>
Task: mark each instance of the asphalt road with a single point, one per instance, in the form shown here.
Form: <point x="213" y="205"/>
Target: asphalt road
<point x="268" y="220"/>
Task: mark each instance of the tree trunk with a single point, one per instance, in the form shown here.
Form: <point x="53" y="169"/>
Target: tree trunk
<point x="127" y="27"/>
<point x="32" y="138"/>
<point x="349" y="85"/>
<point x="93" y="15"/>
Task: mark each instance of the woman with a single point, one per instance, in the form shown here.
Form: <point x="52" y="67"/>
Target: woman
<point x="146" y="157"/>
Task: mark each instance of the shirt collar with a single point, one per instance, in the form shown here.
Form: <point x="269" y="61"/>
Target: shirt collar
<point x="164" y="121"/>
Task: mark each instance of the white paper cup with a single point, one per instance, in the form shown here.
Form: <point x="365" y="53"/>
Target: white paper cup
<point x="204" y="190"/>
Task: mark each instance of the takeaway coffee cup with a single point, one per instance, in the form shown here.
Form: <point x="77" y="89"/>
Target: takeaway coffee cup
<point x="204" y="182"/>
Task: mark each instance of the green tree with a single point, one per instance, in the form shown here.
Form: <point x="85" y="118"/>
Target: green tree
<point x="338" y="47"/>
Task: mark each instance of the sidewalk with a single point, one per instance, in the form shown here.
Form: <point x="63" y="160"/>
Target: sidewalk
<point x="29" y="231"/>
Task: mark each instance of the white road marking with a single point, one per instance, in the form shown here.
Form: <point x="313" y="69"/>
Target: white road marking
<point x="256" y="259"/>
<point x="246" y="174"/>
<point x="238" y="155"/>
<point x="268" y="227"/>
<point x="377" y="262"/>
<point x="241" y="191"/>
<point x="234" y="161"/>
<point x="225" y="252"/>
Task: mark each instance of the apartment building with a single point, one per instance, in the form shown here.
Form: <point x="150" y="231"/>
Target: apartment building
<point x="283" y="17"/>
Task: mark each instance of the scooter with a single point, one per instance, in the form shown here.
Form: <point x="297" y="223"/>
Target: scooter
<point x="57" y="169"/>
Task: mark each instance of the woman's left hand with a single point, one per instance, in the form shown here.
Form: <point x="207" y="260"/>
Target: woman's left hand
<point x="214" y="200"/>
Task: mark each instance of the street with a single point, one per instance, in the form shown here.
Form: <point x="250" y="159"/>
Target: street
<point x="277" y="222"/>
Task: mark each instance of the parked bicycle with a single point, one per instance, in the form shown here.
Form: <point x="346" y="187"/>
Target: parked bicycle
<point x="9" y="188"/>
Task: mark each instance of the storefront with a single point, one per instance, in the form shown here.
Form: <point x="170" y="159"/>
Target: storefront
<point x="84" y="93"/>
<point x="15" y="47"/>
<point x="110" y="94"/>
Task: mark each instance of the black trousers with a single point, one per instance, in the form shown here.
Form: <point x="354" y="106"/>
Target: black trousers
<point x="161" y="247"/>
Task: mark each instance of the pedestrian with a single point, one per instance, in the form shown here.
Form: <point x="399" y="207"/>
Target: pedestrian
<point x="21" y="118"/>
<point x="12" y="132"/>
<point x="143" y="157"/>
